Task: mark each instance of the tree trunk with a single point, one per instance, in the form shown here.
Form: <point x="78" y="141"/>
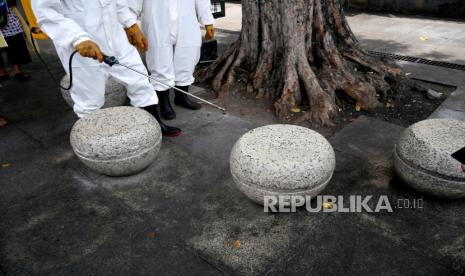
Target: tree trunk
<point x="303" y="55"/>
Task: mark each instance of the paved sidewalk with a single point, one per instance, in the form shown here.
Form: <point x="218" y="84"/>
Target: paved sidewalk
<point x="184" y="215"/>
<point x="428" y="38"/>
<point x="233" y="19"/>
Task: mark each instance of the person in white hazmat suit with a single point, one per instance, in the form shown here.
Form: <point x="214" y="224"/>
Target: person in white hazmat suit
<point x="95" y="28"/>
<point x="174" y="35"/>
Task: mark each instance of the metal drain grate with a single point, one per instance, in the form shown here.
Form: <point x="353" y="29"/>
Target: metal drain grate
<point x="419" y="60"/>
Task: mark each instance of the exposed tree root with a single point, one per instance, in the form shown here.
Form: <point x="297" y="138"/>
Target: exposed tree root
<point x="302" y="54"/>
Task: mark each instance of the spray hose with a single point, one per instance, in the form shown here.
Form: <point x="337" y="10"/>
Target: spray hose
<point x="70" y="68"/>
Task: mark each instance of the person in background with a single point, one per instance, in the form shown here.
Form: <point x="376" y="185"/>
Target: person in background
<point x="17" y="51"/>
<point x="463" y="167"/>
<point x="3" y="44"/>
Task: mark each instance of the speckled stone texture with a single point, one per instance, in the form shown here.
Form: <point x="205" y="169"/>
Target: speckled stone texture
<point x="282" y="160"/>
<point x="117" y="141"/>
<point x="423" y="157"/>
<point x="115" y="93"/>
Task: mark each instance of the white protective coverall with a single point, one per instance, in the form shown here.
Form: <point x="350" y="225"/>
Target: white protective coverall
<point x="70" y="22"/>
<point x="175" y="38"/>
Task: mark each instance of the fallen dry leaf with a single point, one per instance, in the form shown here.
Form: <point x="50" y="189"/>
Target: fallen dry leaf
<point x="327" y="205"/>
<point x="389" y="105"/>
<point x="237" y="244"/>
<point x="6" y="165"/>
<point x="357" y="107"/>
<point x="424" y="38"/>
<point x="296" y="110"/>
<point x="152" y="235"/>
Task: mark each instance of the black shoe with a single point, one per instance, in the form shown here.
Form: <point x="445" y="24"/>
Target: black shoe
<point x="167" y="131"/>
<point x="166" y="110"/>
<point x="4" y="78"/>
<point x="22" y="77"/>
<point x="183" y="100"/>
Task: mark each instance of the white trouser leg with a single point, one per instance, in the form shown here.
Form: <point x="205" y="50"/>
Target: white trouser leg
<point x="160" y="64"/>
<point x="88" y="91"/>
<point x="140" y="91"/>
<point x="185" y="60"/>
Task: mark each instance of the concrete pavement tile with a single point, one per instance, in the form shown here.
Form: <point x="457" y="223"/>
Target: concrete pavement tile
<point x="433" y="74"/>
<point x="58" y="220"/>
<point x="447" y="113"/>
<point x="211" y="135"/>
<point x="434" y="230"/>
<point x="344" y="245"/>
<point x="456" y="101"/>
<point x="239" y="237"/>
<point x="18" y="143"/>
<point x="367" y="137"/>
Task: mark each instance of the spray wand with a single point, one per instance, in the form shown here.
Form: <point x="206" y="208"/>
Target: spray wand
<point x="112" y="61"/>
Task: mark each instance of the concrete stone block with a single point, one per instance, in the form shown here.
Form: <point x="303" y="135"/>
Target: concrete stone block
<point x="423" y="157"/>
<point x="117" y="141"/>
<point x="282" y="160"/>
<point x="115" y="93"/>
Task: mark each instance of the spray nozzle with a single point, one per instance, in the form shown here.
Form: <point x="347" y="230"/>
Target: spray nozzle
<point x="110" y="60"/>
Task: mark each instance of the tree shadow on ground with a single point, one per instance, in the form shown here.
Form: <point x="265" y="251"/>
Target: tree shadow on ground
<point x="394" y="47"/>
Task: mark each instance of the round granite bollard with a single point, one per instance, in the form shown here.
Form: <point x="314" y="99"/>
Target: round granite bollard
<point x="115" y="93"/>
<point x="423" y="157"/>
<point x="282" y="160"/>
<point x="117" y="141"/>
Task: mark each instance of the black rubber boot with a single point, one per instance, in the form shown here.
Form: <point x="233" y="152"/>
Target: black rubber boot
<point x="166" y="110"/>
<point x="183" y="100"/>
<point x="167" y="131"/>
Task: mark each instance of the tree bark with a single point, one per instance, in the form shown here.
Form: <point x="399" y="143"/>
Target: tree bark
<point x="302" y="54"/>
